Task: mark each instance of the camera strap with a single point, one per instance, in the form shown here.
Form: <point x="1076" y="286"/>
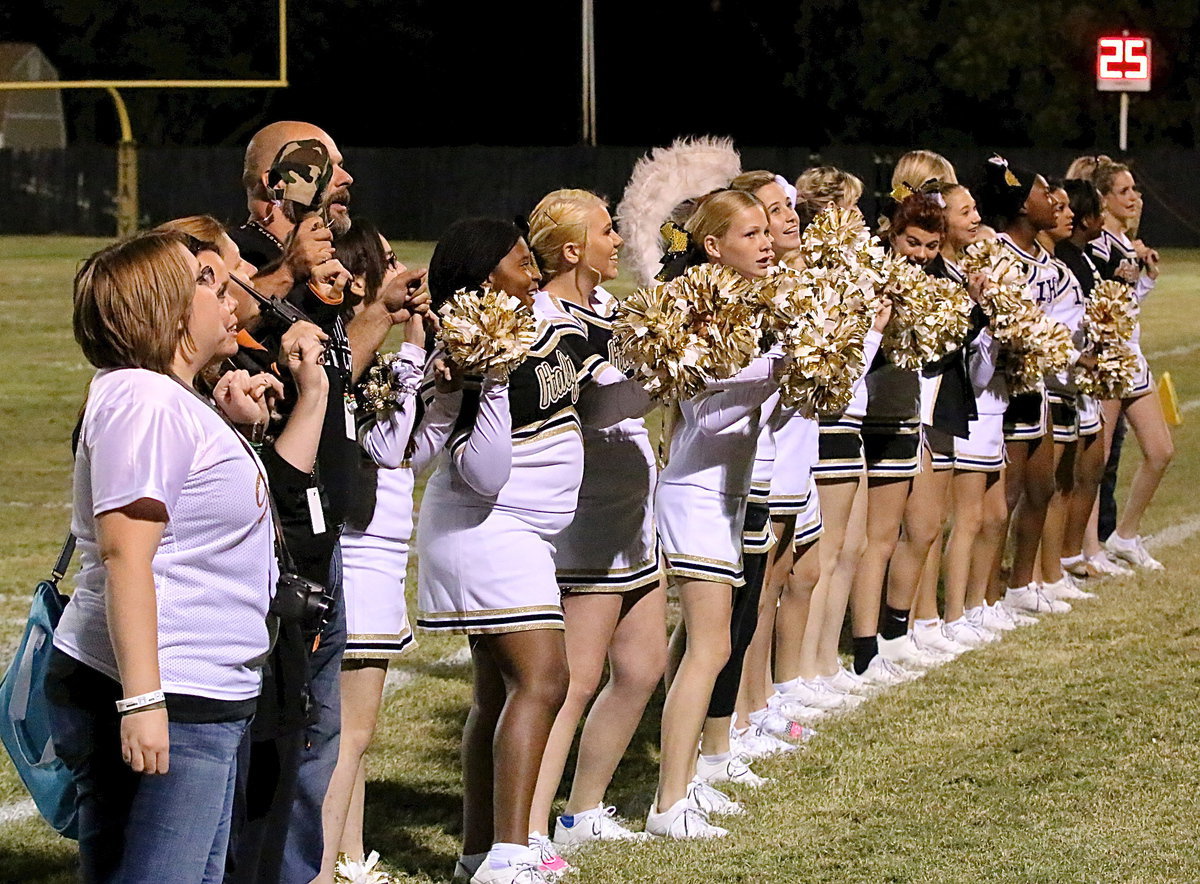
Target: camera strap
<point x="284" y="558"/>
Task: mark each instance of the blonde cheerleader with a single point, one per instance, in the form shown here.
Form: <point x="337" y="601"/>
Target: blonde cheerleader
<point x="607" y="559"/>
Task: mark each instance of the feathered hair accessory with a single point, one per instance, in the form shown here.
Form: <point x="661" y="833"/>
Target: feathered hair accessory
<point x="659" y="183"/>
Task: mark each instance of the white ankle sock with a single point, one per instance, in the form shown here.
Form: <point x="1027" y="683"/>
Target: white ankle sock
<point x="502" y="854"/>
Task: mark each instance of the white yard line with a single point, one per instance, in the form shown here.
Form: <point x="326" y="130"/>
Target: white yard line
<point x="1182" y="350"/>
<point x="1175" y="534"/>
<point x="1189" y="405"/>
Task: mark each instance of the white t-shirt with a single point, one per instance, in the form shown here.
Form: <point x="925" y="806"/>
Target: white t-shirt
<point x="144" y="435"/>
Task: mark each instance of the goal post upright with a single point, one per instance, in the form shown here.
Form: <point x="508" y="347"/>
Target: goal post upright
<point x="127" y="184"/>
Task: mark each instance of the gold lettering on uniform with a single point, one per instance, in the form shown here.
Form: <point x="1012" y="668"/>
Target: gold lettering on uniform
<point x="618" y="357"/>
<point x="556" y="380"/>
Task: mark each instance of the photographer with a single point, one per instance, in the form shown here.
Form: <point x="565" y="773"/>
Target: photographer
<point x="289" y="236"/>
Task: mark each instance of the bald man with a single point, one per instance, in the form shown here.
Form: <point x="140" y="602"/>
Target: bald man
<point x="277" y="834"/>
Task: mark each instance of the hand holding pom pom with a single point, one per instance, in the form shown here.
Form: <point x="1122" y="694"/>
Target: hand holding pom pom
<point x="486" y="331"/>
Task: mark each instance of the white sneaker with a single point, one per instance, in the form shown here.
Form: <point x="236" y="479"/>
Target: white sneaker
<point x="550" y="864"/>
<point x="1031" y="600"/>
<point x="1107" y="566"/>
<point x="597" y="824"/>
<point x="817" y="694"/>
<point x="883" y="673"/>
<point x="905" y="653"/>
<point x="1132" y="550"/>
<point x="712" y="801"/>
<point x="523" y="871"/>
<point x="794" y="710"/>
<point x="682" y="821"/>
<point x="753" y="743"/>
<point x="1066" y="588"/>
<point x="735" y="770"/>
<point x="845" y="681"/>
<point x="773" y="722"/>
<point x="933" y="637"/>
<point x="967" y="633"/>
<point x="994" y="619"/>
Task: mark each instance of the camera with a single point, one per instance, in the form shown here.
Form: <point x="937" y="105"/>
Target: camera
<point x="302" y="601"/>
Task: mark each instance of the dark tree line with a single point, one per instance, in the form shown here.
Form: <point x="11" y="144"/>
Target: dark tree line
<point x="1006" y="73"/>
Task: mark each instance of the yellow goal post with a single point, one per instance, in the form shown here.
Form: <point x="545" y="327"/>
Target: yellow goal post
<point x="127" y="184"/>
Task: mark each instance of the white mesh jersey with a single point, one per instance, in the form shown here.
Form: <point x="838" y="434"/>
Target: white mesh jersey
<point x="144" y="435"/>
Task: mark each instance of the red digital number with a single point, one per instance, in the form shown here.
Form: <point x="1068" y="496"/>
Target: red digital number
<point x="1123" y="58"/>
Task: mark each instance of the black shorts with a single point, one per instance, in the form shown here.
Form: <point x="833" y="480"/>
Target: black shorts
<point x="1025" y="419"/>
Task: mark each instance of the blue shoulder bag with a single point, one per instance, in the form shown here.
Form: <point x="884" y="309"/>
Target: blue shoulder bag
<point x="24" y="712"/>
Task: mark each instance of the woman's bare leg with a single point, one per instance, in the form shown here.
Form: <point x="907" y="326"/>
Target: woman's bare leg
<point x="521" y="683"/>
<point x="795" y="612"/>
<point x="362" y="693"/>
<point x="706" y="611"/>
<point x="837" y="503"/>
<point x="841" y="580"/>
<point x="590" y="619"/>
<point x="637" y="656"/>
<point x="968" y="489"/>
<point x="1054" y="532"/>
<point x="1029" y="516"/>
<point x="1089" y="468"/>
<point x="1158" y="450"/>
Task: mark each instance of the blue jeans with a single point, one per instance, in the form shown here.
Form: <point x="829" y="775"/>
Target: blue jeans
<point x="318" y="757"/>
<point x="152" y="828"/>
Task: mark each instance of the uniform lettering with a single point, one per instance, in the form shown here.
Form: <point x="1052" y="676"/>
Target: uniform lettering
<point x="556" y="379"/>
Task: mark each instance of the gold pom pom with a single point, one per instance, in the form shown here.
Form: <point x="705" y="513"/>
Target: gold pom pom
<point x="486" y="331"/>
<point x="1034" y="345"/>
<point x="1109" y="323"/>
<point x="680" y="335"/>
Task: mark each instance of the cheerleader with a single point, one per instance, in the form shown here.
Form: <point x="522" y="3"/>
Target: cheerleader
<point x="375" y="546"/>
<point x="700" y="505"/>
<point x="505" y="486"/>
<point x="892" y="440"/>
<point x="613" y="598"/>
<point x="1018" y="204"/>
<point x="838" y="471"/>
<point x="1067" y="417"/>
<point x="782" y="482"/>
<point x="1118" y="257"/>
<point x="975" y="460"/>
<point x="948" y="409"/>
<point x="1083" y="556"/>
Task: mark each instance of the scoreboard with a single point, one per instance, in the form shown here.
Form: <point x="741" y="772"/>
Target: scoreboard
<point x="1123" y="64"/>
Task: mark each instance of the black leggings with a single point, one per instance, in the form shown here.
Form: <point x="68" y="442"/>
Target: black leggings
<point x="743" y="618"/>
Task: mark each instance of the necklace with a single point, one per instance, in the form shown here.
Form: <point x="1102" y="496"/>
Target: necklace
<point x="255" y="223"/>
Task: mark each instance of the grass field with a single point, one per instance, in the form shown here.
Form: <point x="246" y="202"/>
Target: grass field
<point x="1069" y="752"/>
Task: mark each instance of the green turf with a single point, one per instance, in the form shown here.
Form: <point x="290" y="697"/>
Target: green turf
<point x="1068" y="752"/>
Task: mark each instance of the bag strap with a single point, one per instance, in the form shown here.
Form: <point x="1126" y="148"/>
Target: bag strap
<point x="64" y="560"/>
